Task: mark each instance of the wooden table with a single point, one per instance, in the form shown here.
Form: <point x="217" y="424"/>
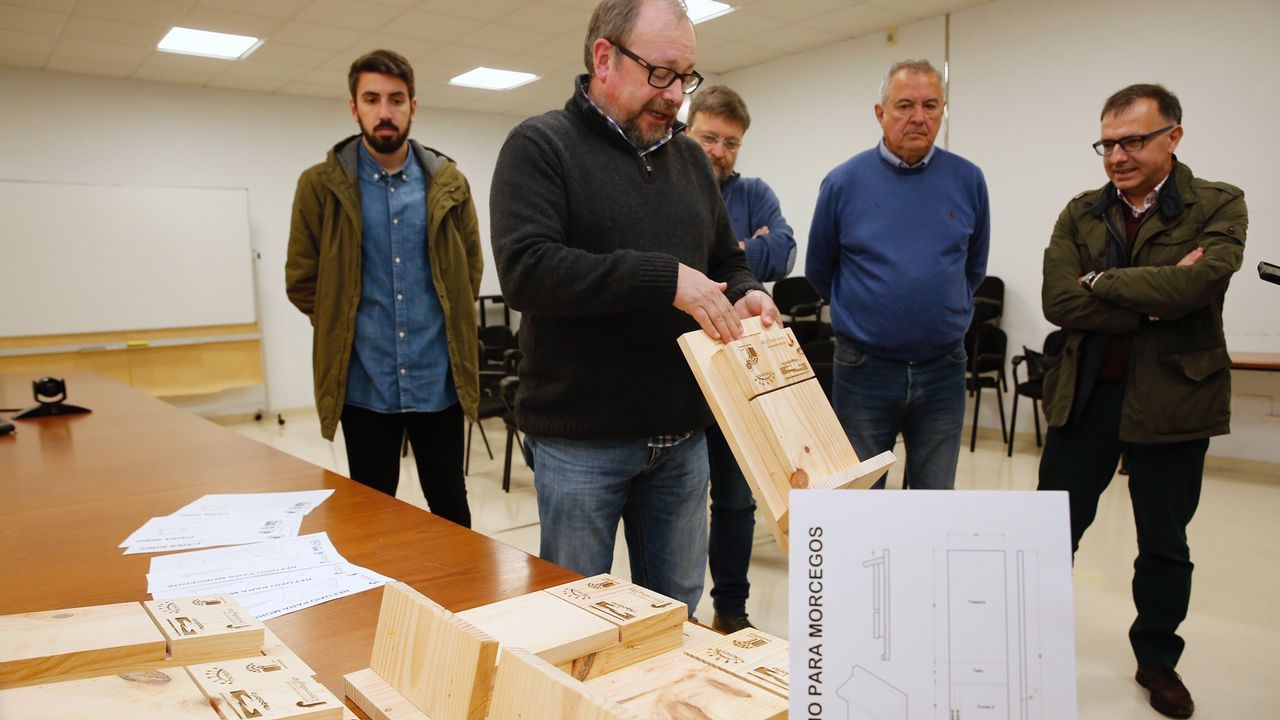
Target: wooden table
<point x="73" y="487"/>
<point x="1267" y="362"/>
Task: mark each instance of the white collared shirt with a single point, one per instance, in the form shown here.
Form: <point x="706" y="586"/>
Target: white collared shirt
<point x="1147" y="201"/>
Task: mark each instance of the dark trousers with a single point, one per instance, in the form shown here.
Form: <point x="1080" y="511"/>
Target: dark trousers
<point x="373" y="452"/>
<point x="733" y="525"/>
<point x="1164" y="487"/>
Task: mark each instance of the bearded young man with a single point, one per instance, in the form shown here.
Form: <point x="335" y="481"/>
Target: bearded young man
<point x="610" y="237"/>
<point x="384" y="259"/>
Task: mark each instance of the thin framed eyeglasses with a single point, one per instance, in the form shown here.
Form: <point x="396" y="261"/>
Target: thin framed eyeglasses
<point x="707" y="140"/>
<point x="1130" y="144"/>
<point x="662" y="77"/>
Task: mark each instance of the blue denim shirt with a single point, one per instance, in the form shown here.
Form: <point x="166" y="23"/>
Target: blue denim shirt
<point x="400" y="357"/>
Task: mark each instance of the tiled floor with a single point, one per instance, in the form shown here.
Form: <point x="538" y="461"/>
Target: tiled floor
<point x="1232" y="661"/>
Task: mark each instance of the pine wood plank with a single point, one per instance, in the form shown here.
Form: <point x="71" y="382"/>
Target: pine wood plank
<point x="209" y="627"/>
<point x="635" y="610"/>
<point x="550" y="628"/>
<point x="168" y="694"/>
<point x="251" y="689"/>
<point x="529" y="688"/>
<point x="439" y="662"/>
<point x="377" y="699"/>
<point x="696" y="635"/>
<point x="751" y="655"/>
<point x="41" y="646"/>
<point x="675" y="685"/>
<point x="775" y="417"/>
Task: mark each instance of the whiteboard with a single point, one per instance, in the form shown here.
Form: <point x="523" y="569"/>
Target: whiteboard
<point x="98" y="258"/>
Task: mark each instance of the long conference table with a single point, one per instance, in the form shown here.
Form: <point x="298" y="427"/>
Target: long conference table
<point x="73" y="487"/>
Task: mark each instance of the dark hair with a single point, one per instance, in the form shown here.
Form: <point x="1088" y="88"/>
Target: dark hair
<point x="723" y="101"/>
<point x="613" y="20"/>
<point x="382" y="62"/>
<point x="1124" y="99"/>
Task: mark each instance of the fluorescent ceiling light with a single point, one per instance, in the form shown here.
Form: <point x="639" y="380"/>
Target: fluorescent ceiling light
<point x="208" y="44"/>
<point x="703" y="10"/>
<point x="491" y="79"/>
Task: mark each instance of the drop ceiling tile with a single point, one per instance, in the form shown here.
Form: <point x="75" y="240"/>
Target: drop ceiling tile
<point x="547" y="18"/>
<point x="31" y="20"/>
<point x="355" y="14"/>
<point x="254" y="67"/>
<point x="90" y="67"/>
<point x="338" y="91"/>
<point x="503" y="38"/>
<point x="271" y="8"/>
<point x="857" y="21"/>
<point x="924" y="8"/>
<point x="226" y="21"/>
<point x="456" y="59"/>
<point x="12" y="56"/>
<point x="732" y="56"/>
<point x="584" y="6"/>
<point x="435" y="27"/>
<point x="486" y="10"/>
<point x="188" y="63"/>
<point x="312" y="35"/>
<point x="27" y="43"/>
<point x="566" y="46"/>
<point x="257" y="84"/>
<point x="58" y="5"/>
<point x="397" y="3"/>
<point x="790" y="11"/>
<point x="162" y="13"/>
<point x="89" y="50"/>
<point x="277" y="52"/>
<point x="173" y="76"/>
<point x="735" y="26"/>
<point x="794" y="38"/>
<point x="113" y="32"/>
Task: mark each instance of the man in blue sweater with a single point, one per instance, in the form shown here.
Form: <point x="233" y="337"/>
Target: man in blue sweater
<point x="898" y="244"/>
<point x="718" y="119"/>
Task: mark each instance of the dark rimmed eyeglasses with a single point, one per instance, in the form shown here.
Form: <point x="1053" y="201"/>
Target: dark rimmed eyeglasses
<point x="1130" y="144"/>
<point x="662" y="77"/>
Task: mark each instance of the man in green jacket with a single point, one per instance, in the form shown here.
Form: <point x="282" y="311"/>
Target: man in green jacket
<point x="384" y="258"/>
<point x="1135" y="274"/>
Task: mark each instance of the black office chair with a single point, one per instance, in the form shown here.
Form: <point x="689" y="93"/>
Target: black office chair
<point x="508" y="387"/>
<point x="495" y="341"/>
<point x="987" y="347"/>
<point x="988" y="301"/>
<point x="821" y="356"/>
<point x="801" y="309"/>
<point x="491" y="406"/>
<point x="1033" y="387"/>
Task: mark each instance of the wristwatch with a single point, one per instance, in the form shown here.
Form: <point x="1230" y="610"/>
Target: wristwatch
<point x="1089" y="279"/>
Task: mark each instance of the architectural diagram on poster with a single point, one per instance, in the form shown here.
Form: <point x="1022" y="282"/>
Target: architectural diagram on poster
<point x="931" y="606"/>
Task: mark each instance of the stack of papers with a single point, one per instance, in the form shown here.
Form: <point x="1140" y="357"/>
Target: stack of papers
<point x="226" y="519"/>
<point x="268" y="579"/>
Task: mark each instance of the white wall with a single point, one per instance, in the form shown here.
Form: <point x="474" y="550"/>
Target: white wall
<point x="1028" y="78"/>
<point x="68" y="128"/>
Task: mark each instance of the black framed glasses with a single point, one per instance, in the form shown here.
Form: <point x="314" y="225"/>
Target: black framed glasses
<point x="662" y="77"/>
<point x="1130" y="144"/>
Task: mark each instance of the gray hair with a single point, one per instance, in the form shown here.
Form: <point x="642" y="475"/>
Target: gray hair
<point x="613" y="20"/>
<point x="913" y="65"/>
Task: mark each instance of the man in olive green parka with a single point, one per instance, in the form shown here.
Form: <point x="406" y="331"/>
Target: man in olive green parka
<point x="1135" y="274"/>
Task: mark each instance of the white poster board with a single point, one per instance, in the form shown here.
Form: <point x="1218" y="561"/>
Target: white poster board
<point x="101" y="258"/>
<point x="931" y="605"/>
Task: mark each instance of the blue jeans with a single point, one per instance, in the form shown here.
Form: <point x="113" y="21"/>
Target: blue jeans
<point x="876" y="399"/>
<point x="733" y="525"/>
<point x="586" y="486"/>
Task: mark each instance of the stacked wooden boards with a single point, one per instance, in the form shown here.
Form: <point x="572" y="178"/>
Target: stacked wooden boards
<point x="637" y="655"/>
<point x="778" y="422"/>
<point x="200" y="657"/>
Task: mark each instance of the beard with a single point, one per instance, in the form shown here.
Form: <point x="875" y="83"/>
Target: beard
<point x="642" y="138"/>
<point x="386" y="145"/>
<point x="722" y="170"/>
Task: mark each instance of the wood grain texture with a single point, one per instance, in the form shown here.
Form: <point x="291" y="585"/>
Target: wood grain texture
<point x="751" y="655"/>
<point x="41" y="646"/>
<point x="377" y="699"/>
<point x="436" y="660"/>
<point x="675" y="685"/>
<point x="546" y="626"/>
<point x="774" y="416"/>
<point x="207" y="627"/>
<point x="75" y="485"/>
<point x="146" y="695"/>
<point x="529" y="688"/>
<point x="251" y="690"/>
